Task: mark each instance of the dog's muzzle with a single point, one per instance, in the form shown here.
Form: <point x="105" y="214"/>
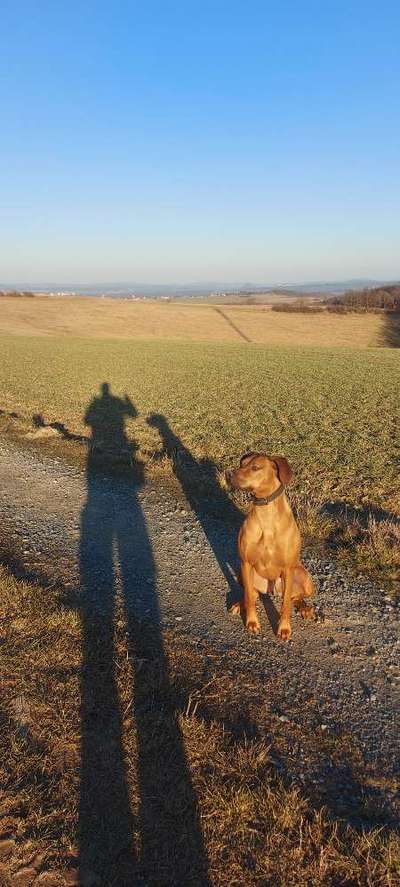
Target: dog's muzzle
<point x="232" y="480"/>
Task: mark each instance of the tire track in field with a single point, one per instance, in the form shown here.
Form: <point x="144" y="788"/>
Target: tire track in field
<point x="233" y="325"/>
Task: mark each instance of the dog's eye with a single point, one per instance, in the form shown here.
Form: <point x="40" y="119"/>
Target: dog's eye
<point x="255" y="468"/>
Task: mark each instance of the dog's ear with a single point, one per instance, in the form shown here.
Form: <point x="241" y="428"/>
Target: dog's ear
<point x="284" y="470"/>
<point x="246" y="456"/>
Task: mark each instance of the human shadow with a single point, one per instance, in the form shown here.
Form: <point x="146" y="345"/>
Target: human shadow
<point x="106" y="417"/>
<point x="217" y="514"/>
<point x="163" y="842"/>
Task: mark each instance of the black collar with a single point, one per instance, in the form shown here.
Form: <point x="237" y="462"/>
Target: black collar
<point x="267" y="499"/>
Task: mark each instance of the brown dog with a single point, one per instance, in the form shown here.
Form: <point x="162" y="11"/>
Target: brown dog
<point x="269" y="541"/>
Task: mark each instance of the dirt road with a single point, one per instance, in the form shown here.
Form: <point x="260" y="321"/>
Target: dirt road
<point x="173" y="557"/>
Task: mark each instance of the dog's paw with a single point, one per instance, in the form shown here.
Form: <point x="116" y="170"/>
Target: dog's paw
<point x="306" y="611"/>
<point x="253" y="626"/>
<point x="284" y="631"/>
<point x="235" y="609"/>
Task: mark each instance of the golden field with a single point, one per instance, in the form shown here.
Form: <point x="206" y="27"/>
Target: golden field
<point x="122" y="319"/>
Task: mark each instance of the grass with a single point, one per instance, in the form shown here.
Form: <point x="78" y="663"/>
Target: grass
<point x="185" y="322"/>
<point x="255" y="824"/>
<point x="335" y="413"/>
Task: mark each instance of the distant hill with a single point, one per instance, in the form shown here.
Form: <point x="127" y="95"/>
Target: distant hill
<point x="205" y="290"/>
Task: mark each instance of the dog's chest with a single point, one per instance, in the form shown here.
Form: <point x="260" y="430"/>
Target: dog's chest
<point x="269" y="556"/>
<point x="269" y="545"/>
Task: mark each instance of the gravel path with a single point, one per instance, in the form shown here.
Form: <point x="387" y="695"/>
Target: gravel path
<point x="176" y="564"/>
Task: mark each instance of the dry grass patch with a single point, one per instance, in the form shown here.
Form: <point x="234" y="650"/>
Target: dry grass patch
<point x="100" y="318"/>
<point x="372" y="547"/>
<point x="228" y="812"/>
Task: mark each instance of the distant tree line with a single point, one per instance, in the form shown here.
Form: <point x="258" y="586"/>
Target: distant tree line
<point x="299" y="306"/>
<point x="381" y="298"/>
<point x="376" y="300"/>
<point x="15" y="294"/>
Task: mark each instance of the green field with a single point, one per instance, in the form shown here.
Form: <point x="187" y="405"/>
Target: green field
<point x="335" y="413"/>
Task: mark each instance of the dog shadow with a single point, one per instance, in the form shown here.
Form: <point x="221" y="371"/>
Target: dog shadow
<point x="216" y="513"/>
<point x="270" y="611"/>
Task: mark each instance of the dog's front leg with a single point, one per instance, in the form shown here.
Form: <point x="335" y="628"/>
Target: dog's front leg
<point x="284" y="628"/>
<point x="250" y="597"/>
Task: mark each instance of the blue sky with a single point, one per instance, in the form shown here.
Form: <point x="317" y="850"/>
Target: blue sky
<point x="167" y="141"/>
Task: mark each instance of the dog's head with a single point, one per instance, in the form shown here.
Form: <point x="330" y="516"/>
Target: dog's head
<point x="258" y="473"/>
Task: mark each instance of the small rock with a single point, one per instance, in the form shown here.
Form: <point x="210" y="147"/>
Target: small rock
<point x="178" y="618"/>
<point x="333" y="646"/>
<point x="324" y="727"/>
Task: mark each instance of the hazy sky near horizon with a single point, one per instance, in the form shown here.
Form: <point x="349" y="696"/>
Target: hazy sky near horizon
<point x="181" y="141"/>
